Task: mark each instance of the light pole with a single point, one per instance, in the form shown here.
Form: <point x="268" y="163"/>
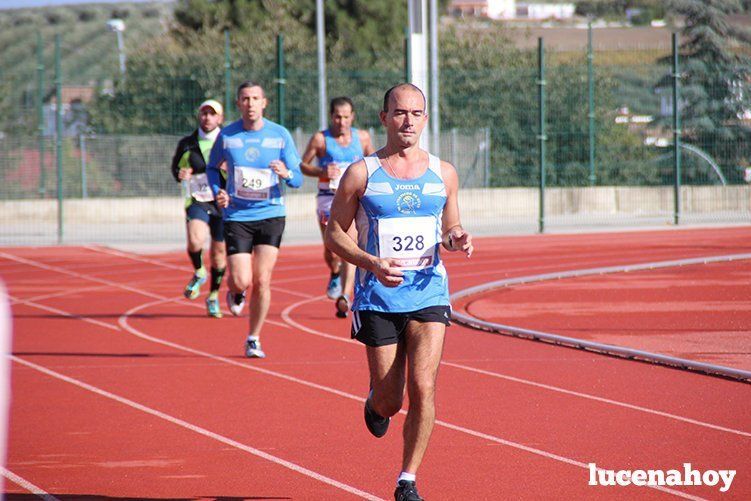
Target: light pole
<point x="118" y="26"/>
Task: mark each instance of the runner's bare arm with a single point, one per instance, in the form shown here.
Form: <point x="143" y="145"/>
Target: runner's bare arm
<point x="316" y="148"/>
<point x="454" y="237"/>
<point x="367" y="144"/>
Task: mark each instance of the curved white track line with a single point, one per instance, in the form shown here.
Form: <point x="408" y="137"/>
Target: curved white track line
<point x="289" y="322"/>
<point x="286" y="315"/>
<point x="110" y="283"/>
<point x="571" y="342"/>
<point x="124" y="323"/>
<point x="201" y="431"/>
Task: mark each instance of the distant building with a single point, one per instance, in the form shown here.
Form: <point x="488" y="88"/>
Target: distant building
<point x="75" y="116"/>
<point x="510" y="9"/>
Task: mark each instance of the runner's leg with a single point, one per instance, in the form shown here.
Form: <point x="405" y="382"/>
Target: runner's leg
<point x="424" y="347"/>
<point x="264" y="259"/>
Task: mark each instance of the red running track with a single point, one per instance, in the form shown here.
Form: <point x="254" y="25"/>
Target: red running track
<point x="122" y="389"/>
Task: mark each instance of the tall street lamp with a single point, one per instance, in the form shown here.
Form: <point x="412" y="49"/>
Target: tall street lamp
<point x="118" y="26"/>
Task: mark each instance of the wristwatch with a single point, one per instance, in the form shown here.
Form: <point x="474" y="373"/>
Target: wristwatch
<point x="290" y="175"/>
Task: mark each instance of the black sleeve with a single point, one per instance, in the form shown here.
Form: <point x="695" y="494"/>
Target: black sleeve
<point x="176" y="158"/>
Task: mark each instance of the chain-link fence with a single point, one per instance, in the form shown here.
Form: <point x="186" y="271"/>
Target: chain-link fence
<point x="609" y="143"/>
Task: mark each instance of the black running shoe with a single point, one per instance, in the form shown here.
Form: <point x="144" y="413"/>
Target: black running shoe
<point x="377" y="425"/>
<point x="406" y="491"/>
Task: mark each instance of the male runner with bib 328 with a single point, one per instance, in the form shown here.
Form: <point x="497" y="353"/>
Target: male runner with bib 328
<point x="404" y="203"/>
<point x="202" y="214"/>
<point x="336" y="148"/>
<point x="261" y="161"/>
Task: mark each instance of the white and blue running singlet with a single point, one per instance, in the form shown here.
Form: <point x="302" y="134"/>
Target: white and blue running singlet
<point x="401" y="219"/>
<point x="255" y="190"/>
<point x="341" y="156"/>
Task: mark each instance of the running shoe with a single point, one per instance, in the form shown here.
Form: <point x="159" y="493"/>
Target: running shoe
<point x="236" y="303"/>
<point x="193" y="289"/>
<point x="212" y="306"/>
<point x="342" y="306"/>
<point x="406" y="491"/>
<point x="377" y="425"/>
<point x="334" y="289"/>
<point x="253" y="348"/>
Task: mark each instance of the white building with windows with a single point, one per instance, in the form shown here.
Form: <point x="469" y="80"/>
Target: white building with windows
<point x="510" y="9"/>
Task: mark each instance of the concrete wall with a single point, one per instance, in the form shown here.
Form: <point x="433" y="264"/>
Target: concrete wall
<point x="474" y="203"/>
<point x="485" y="210"/>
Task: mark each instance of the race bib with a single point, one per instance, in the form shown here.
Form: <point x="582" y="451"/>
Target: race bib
<point x="252" y="183"/>
<point x="199" y="188"/>
<point x="409" y="241"/>
<point x="342" y="166"/>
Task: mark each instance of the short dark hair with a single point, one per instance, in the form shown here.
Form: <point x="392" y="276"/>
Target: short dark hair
<point x="246" y="85"/>
<point x="387" y="96"/>
<point x="340" y="101"/>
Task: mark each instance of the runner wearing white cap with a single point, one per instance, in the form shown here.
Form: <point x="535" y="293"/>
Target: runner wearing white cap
<point x="202" y="214"/>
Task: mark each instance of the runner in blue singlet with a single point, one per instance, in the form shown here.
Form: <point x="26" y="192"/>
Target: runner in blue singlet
<point x="404" y="203"/>
<point x="336" y="148"/>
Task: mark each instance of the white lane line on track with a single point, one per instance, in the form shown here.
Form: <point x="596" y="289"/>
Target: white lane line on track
<point x="67" y="292"/>
<point x="288" y="320"/>
<point x="65" y="313"/>
<point x="599" y="399"/>
<point x="135" y="257"/>
<point x="113" y="252"/>
<point x="22" y="482"/>
<point x="327" y="389"/>
<point x="123" y="322"/>
<point x="110" y="283"/>
<point x="201" y="431"/>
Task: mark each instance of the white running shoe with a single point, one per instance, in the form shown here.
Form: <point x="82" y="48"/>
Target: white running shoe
<point x="253" y="348"/>
<point x="236" y="303"/>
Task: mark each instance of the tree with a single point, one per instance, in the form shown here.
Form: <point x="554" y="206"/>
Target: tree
<point x="715" y="80"/>
<point x="367" y="28"/>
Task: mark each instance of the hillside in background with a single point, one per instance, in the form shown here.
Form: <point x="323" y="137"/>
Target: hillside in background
<point x="89" y="50"/>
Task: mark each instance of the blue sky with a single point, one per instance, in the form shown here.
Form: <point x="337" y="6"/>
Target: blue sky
<point x="17" y="4"/>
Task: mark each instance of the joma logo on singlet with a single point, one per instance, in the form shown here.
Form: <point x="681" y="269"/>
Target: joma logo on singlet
<point x="407" y="186"/>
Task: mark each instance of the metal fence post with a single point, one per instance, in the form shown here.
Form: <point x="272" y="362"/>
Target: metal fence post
<point x="454" y="143"/>
<point x="591" y="115"/>
<point x="227" y="78"/>
<point x="280" y="82"/>
<point x="676" y="136"/>
<point x="321" y="39"/>
<point x="407" y="57"/>
<point x="82" y="150"/>
<point x="486" y="180"/>
<point x="435" y="118"/>
<point x="40" y="114"/>
<point x="541" y="137"/>
<point x="59" y="138"/>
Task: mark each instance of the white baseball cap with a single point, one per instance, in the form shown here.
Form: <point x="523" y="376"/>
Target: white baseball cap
<point x="213" y="104"/>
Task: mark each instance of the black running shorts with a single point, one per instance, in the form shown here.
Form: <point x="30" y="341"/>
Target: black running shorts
<point x="210" y="214"/>
<point x="377" y="328"/>
<point x="242" y="236"/>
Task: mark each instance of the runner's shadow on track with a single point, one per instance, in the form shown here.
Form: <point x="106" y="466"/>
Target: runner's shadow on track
<point x="86" y="497"/>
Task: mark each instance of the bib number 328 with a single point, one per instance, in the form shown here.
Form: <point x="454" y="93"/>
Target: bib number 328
<point x="409" y="241"/>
